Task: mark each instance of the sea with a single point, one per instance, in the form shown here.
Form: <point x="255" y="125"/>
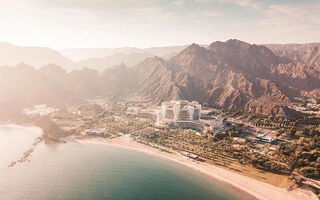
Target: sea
<point x="78" y="171"/>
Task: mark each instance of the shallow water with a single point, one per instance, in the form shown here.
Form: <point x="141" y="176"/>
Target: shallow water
<point x="92" y="171"/>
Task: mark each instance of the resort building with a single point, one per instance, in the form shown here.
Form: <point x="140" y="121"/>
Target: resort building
<point x="185" y="114"/>
<point x="41" y="110"/>
<point x="167" y="110"/>
<point x="181" y="110"/>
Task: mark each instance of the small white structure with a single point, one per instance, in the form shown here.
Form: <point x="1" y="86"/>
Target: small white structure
<point x="312" y="101"/>
<point x="94" y="131"/>
<point x="264" y="138"/>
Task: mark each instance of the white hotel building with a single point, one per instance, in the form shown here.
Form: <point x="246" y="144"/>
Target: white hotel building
<point x="181" y="110"/>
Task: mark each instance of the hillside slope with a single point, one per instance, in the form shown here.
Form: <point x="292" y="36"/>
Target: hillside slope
<point x="308" y="54"/>
<point x="231" y="74"/>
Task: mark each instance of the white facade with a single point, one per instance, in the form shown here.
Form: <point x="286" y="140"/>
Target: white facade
<point x="41" y="110"/>
<point x="181" y="110"/>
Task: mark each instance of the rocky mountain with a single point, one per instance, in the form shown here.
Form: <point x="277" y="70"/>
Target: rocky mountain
<point x="101" y="64"/>
<point x="78" y="54"/>
<point x="308" y="54"/>
<point x="93" y="58"/>
<point x="13" y="55"/>
<point x="24" y="86"/>
<point x="118" y="82"/>
<point x="231" y="74"/>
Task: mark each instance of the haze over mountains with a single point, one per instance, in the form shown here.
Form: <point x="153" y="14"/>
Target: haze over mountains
<point x="13" y="55"/>
<point x="231" y="74"/>
<point x="78" y="54"/>
<point x="308" y="54"/>
<point x="103" y="63"/>
<point x="101" y="59"/>
<point x="69" y="59"/>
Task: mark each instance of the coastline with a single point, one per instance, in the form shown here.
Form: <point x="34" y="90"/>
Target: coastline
<point x="27" y="153"/>
<point x="30" y="127"/>
<point x="255" y="188"/>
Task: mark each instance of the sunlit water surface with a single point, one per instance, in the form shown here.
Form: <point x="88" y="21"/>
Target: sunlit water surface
<point x="91" y="171"/>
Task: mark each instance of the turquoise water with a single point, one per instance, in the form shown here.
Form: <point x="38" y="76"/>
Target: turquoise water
<point x="89" y="171"/>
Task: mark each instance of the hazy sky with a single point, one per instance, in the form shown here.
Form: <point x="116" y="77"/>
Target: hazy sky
<point x="145" y="23"/>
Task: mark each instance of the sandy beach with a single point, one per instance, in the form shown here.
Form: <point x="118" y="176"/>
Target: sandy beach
<point x="255" y="188"/>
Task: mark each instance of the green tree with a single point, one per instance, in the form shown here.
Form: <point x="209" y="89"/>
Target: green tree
<point x="292" y="132"/>
<point x="306" y="131"/>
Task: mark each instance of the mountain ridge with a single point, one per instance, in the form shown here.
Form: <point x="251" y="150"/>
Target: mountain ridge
<point x="236" y="75"/>
<point x="231" y="74"/>
<point x="12" y="55"/>
<point x="308" y="54"/>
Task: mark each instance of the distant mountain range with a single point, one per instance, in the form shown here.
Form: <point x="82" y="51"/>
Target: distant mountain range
<point x="103" y="63"/>
<point x="231" y="74"/>
<point x="308" y="54"/>
<point x="103" y="58"/>
<point x="13" y="55"/>
<point x="78" y="54"/>
<point x="69" y="59"/>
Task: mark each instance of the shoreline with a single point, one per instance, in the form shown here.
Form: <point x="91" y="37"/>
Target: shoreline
<point x="33" y="128"/>
<point x="26" y="154"/>
<point x="254" y="188"/>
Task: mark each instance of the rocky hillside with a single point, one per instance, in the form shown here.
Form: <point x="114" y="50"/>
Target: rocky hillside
<point x="231" y="74"/>
<point x="308" y="54"/>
